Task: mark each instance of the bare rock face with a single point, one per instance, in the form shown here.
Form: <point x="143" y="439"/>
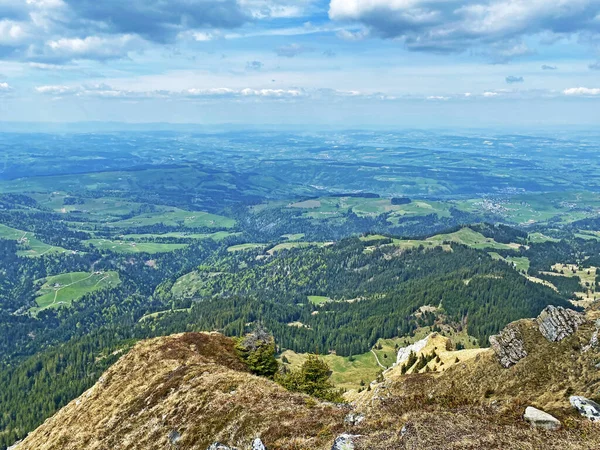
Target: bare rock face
<point x="508" y="346"/>
<point x="257" y="444"/>
<point x="587" y="408"/>
<point x="556" y="323"/>
<point x="541" y="419"/>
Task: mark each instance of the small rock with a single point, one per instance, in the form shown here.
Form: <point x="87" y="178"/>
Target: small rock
<point x="407" y="429"/>
<point x="174" y="437"/>
<point x="258" y="445"/>
<point x="587" y="408"/>
<point x="354" y="419"/>
<point x="541" y="419"/>
<point x="593" y="342"/>
<point x="508" y="346"/>
<point x="219" y="446"/>
<point x="556" y="323"/>
<point x="344" y="442"/>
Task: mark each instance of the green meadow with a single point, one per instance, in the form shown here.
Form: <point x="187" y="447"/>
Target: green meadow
<point x="63" y="290"/>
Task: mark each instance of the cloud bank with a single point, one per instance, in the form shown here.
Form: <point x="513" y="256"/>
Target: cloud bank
<point x="455" y="26"/>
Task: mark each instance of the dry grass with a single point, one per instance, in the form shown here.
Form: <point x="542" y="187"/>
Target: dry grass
<point x="192" y="384"/>
<point x="478" y="404"/>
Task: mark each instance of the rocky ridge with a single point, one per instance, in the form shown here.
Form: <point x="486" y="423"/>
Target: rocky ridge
<point x="192" y="392"/>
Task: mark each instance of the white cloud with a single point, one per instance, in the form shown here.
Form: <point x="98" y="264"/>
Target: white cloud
<point x="582" y="91"/>
<point x="11" y="32"/>
<point x="449" y="25"/>
<point x="277" y="9"/>
<point x="91" y="47"/>
<point x="349" y="35"/>
<point x="107" y="92"/>
<point x="55" y="90"/>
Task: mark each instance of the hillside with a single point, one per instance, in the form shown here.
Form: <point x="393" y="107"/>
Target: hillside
<point x="189" y="391"/>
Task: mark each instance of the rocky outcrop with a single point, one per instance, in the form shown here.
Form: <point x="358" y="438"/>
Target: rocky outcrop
<point x="594" y="339"/>
<point x="556" y="323"/>
<point x="344" y="442"/>
<point x="587" y="408"/>
<point x="541" y="419"/>
<point x="405" y="352"/>
<point x="257" y="444"/>
<point x="508" y="346"/>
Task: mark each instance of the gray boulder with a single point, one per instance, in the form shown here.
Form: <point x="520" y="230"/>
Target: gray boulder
<point x="541" y="419"/>
<point x="344" y="442"/>
<point x="556" y="323"/>
<point x="257" y="444"/>
<point x="508" y="346"/>
<point x="587" y="408"/>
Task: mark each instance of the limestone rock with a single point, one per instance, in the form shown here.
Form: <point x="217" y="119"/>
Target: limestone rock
<point x="219" y="446"/>
<point x="587" y="408"/>
<point x="354" y="419"/>
<point x="541" y="419"/>
<point x="508" y="346"/>
<point x="556" y="323"/>
<point x="257" y="444"/>
<point x="593" y="342"/>
<point x="344" y="442"/>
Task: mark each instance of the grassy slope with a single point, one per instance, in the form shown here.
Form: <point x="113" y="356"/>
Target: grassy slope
<point x="465" y="236"/>
<point x="62" y="290"/>
<point x="192" y="384"/>
<point x="119" y="246"/>
<point x="31" y="246"/>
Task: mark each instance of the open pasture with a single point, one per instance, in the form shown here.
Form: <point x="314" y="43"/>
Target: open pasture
<point x="177" y="218"/>
<point x="119" y="246"/>
<point x="292" y="245"/>
<point x="62" y="290"/>
<point x="29" y="245"/>
<point x="328" y="207"/>
<point x="218" y="236"/>
<point x="465" y="236"/>
<point x="243" y="247"/>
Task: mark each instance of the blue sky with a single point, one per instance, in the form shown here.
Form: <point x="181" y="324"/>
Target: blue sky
<point x="400" y="63"/>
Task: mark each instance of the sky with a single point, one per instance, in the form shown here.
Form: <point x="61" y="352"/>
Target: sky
<point x="343" y="63"/>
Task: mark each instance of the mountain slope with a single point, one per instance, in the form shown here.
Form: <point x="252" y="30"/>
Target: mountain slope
<point x="186" y="391"/>
<point x="189" y="391"/>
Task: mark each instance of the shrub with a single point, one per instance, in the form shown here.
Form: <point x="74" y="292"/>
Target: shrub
<point x="313" y="378"/>
<point x="257" y="350"/>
